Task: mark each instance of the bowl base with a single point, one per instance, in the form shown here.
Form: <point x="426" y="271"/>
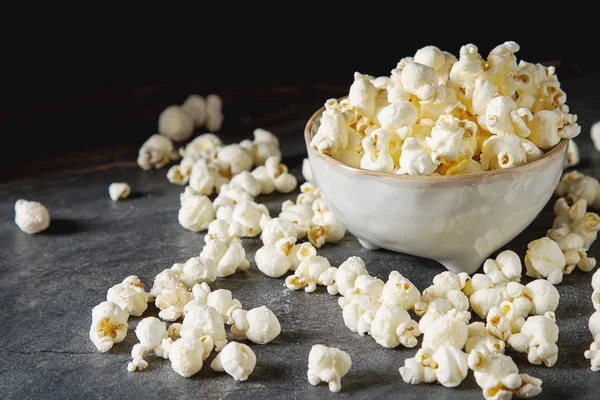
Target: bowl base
<point x="368" y="245"/>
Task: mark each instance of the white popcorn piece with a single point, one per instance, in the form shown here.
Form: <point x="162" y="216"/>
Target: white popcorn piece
<point x="595" y="135"/>
<point x="223" y="231"/>
<point x="244" y="180"/>
<point x="446" y="365"/>
<point x="415" y="75"/>
<point x="398" y="116"/>
<point x="466" y="70"/>
<point x="195" y="270"/>
<point x="572" y="245"/>
<point x="109" y="325"/>
<point x="358" y="311"/>
<point x="307" y="171"/>
<point x="431" y="311"/>
<point x="195" y="107"/>
<point x="300" y="215"/>
<point x="449" y="330"/>
<point x="231" y="196"/>
<point x="594" y="324"/>
<point x="203" y="321"/>
<point x="572" y="154"/>
<point x="307" y="274"/>
<point x="340" y="279"/>
<point x="171" y="301"/>
<point x="415" y="159"/>
<point x="308" y="194"/>
<point x="593" y="354"/>
<point x="483" y="93"/>
<point x="196" y="213"/>
<point x="274" y="260"/>
<point x="545" y="296"/>
<point x="258" y="325"/>
<point x="186" y="356"/>
<point x="164" y="280"/>
<point x="264" y="145"/>
<point x="261" y="175"/>
<point x="548" y="127"/>
<point x="399" y="291"/>
<point x="326" y="227"/>
<point x="119" y="191"/>
<point x="177" y="175"/>
<point x="203" y="146"/>
<point x="175" y="330"/>
<point x="377" y="160"/>
<point x="364" y="285"/>
<point x="596" y="292"/>
<point x="434" y="100"/>
<point x="332" y="133"/>
<point x="447" y="285"/>
<point x="222" y="300"/>
<point x="480" y="338"/>
<point x="237" y="359"/>
<point x="299" y="252"/>
<point x="274" y="229"/>
<point x="234" y="158"/>
<point x="502" y="68"/>
<point x="498" y="376"/>
<point x="283" y="181"/>
<point x="247" y="214"/>
<point x="484" y="299"/>
<point x="507" y="151"/>
<point x="205" y="178"/>
<point x="393" y="326"/>
<point x="150" y="332"/>
<point x="577" y="186"/>
<point x="31" y="216"/>
<point x="544" y="259"/>
<point x="503" y="321"/>
<point x="477" y="282"/>
<point x="362" y="95"/>
<point x="214" y="112"/>
<point x="502" y="117"/>
<point x="576" y="221"/>
<point x="452" y="138"/>
<point x="328" y="364"/>
<point x="538" y="338"/>
<point x="505" y="268"/>
<point x="228" y="257"/>
<point x="175" y="124"/>
<point x="130" y="296"/>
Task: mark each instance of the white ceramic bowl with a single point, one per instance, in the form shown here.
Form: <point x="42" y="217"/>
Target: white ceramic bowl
<point x="456" y="220"/>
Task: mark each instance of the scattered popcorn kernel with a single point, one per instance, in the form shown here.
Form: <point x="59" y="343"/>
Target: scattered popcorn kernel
<point x="195" y="107"/>
<point x="258" y="325"/>
<point x="340" y="279"/>
<point x="231" y="196"/>
<point x="577" y="186"/>
<point x="31" y="216"/>
<point x="119" y="191"/>
<point x="205" y="178"/>
<point x="234" y="158"/>
<point x="593" y="354"/>
<point x="214" y="113"/>
<point x="244" y="180"/>
<point x="505" y="268"/>
<point x="171" y="301"/>
<point x="195" y="270"/>
<point x="480" y="338"/>
<point x="503" y="321"/>
<point x="447" y="365"/>
<point x="175" y="124"/>
<point x="307" y="274"/>
<point x="538" y="338"/>
<point x="222" y="300"/>
<point x="484" y="299"/>
<point x="196" y="213"/>
<point x="264" y="145"/>
<point x="544" y="259"/>
<point x="228" y="257"/>
<point x="450" y="330"/>
<point x="186" y="356"/>
<point x="399" y="291"/>
<point x="275" y="260"/>
<point x="150" y="332"/>
<point x="203" y="146"/>
<point x="307" y="171"/>
<point x="393" y="326"/>
<point x="223" y="231"/>
<point x="109" y="325"/>
<point x="326" y="227"/>
<point x="572" y="154"/>
<point x="130" y="296"/>
<point x="328" y="364"/>
<point x="283" y="181"/>
<point x="203" y="321"/>
<point x="164" y="280"/>
<point x="274" y="229"/>
<point x="237" y="359"/>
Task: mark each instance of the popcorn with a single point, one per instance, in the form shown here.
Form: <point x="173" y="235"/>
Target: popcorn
<point x="340" y="279"/>
<point x="204" y="321"/>
<point x="594" y="324"/>
<point x="464" y="167"/>
<point x="164" y="280"/>
<point x="237" y="359"/>
<point x="171" y="301"/>
<point x="177" y="175"/>
<point x="109" y="325"/>
<point x="433" y="310"/>
<point x="572" y="154"/>
<point x="307" y="171"/>
<point x="264" y="145"/>
<point x="447" y="365"/>
<point x="538" y="338"/>
<point x="498" y="376"/>
<point x="505" y="268"/>
<point x="229" y="257"/>
<point x="205" y="178"/>
<point x="484" y="299"/>
<point x="362" y="95"/>
<point x="480" y="338"/>
<point x="544" y="259"/>
<point x="399" y="291"/>
<point x="175" y="124"/>
<point x="248" y="215"/>
<point x="507" y="151"/>
<point x="119" y="191"/>
<point x="231" y="196"/>
<point x="196" y="213"/>
<point x="595" y="134"/>
<point x="574" y="220"/>
<point x="503" y="321"/>
<point x="541" y="294"/>
<point x="452" y="138"/>
<point x="234" y="159"/>
<point x="195" y="107"/>
<point x="307" y="274"/>
<point x="283" y="181"/>
<point x="214" y="113"/>
<point x="274" y="229"/>
<point x="326" y="227"/>
<point x="328" y="364"/>
<point x="130" y="296"/>
<point x="392" y="326"/>
<point x="415" y="159"/>
<point x="300" y="215"/>
<point x="31" y="216"/>
<point x="579" y="186"/>
<point x="448" y="285"/>
<point x="223" y="231"/>
<point x="398" y="117"/>
<point x="548" y="127"/>
<point x="364" y="285"/>
<point x="258" y="325"/>
<point x="245" y="181"/>
<point x="450" y="330"/>
<point x="466" y="70"/>
<point x="150" y="332"/>
<point x="203" y="146"/>
<point x="275" y="260"/>
<point x="308" y="194"/>
<point x="596" y="293"/>
<point x="593" y="354"/>
<point x="415" y="75"/>
<point x="299" y="252"/>
<point x="572" y="245"/>
<point x="186" y="356"/>
<point x="195" y="270"/>
<point x="222" y="300"/>
<point x="262" y="177"/>
<point x="502" y="117"/>
<point x="332" y="132"/>
<point x="484" y="91"/>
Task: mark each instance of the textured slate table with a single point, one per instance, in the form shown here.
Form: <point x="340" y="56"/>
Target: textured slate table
<point x="50" y="282"/>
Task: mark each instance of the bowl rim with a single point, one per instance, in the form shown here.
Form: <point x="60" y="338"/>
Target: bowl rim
<point x="549" y="156"/>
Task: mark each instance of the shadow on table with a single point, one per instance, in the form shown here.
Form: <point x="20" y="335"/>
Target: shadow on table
<point x="62" y="227"/>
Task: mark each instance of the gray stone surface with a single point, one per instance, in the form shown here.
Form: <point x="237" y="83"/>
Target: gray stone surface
<point x="50" y="282"/>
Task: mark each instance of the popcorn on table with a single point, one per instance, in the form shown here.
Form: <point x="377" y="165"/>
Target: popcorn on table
<point x="201" y="321"/>
<point x="156" y="152"/>
<point x="31" y="216"/>
<point x="469" y="102"/>
<point x="237" y="359"/>
<point x="328" y="364"/>
<point x="538" y="337"/>
<point x="109" y="325"/>
<point x="577" y="186"/>
<point x="195" y="107"/>
<point x="259" y="325"/>
<point x="196" y="212"/>
<point x="175" y="124"/>
<point x="214" y="113"/>
<point x="119" y="191"/>
<point x="150" y="332"/>
<point x="446" y="365"/>
<point x="130" y="296"/>
<point x="264" y="146"/>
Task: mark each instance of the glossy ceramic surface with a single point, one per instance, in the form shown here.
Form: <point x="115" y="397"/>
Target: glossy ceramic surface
<point x="456" y="220"/>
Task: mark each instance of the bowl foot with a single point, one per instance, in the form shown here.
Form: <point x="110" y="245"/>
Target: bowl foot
<point x="456" y="266"/>
<point x="367" y="245"/>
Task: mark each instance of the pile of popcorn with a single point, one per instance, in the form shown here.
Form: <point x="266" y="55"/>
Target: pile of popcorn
<point x="436" y="114"/>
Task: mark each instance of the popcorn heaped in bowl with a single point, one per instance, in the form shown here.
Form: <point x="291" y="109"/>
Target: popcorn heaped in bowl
<point x="439" y="115"/>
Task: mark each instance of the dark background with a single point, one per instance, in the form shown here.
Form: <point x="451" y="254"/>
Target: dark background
<point x="82" y="90"/>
